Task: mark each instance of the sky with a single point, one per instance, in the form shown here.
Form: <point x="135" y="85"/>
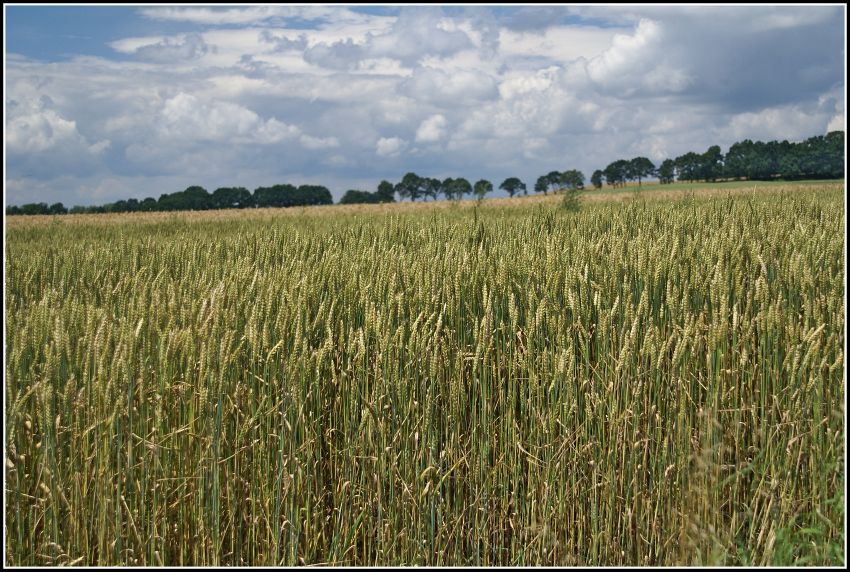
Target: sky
<point x="118" y="102"/>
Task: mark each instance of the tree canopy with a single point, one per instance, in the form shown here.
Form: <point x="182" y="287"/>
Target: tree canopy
<point x="482" y="187"/>
<point x="513" y="185"/>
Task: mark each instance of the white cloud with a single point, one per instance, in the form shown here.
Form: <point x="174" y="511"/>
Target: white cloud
<point x="558" y="43"/>
<point x="273" y="131"/>
<point x="390" y="146"/>
<point x="34" y="126"/>
<point x="523" y="84"/>
<point x="244" y="15"/>
<point x="130" y="45"/>
<point x="310" y="142"/>
<point x="450" y="88"/>
<point x="837" y="123"/>
<point x="432" y="129"/>
<point x="786" y="122"/>
<point x="338" y="161"/>
<point x="188" y="117"/>
<point x="37" y="130"/>
<point x="415" y="34"/>
<point x="185" y="116"/>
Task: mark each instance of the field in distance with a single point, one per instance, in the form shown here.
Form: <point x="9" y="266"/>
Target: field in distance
<point x="653" y="380"/>
<point x="647" y="191"/>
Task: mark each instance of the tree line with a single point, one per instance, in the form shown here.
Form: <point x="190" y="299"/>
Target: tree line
<point x="818" y="157"/>
<point x="199" y="199"/>
<point x="412" y="187"/>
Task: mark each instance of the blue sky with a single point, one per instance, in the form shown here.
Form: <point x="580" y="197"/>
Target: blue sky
<point x="105" y="103"/>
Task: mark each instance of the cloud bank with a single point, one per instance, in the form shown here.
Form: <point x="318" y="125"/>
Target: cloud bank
<point x="330" y="95"/>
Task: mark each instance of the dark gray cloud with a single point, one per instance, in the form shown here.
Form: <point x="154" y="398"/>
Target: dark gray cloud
<point x="341" y="55"/>
<point x="283" y="43"/>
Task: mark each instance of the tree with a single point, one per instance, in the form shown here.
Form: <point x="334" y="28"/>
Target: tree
<point x="35" y="209"/>
<point x="116" y="207"/>
<point x="231" y="198"/>
<point x="820" y="157"/>
<point x="712" y="164"/>
<point x="353" y="196"/>
<point x="461" y="187"/>
<point x="616" y="172"/>
<point x="790" y="164"/>
<point x="312" y="195"/>
<point x="542" y="185"/>
<point x="761" y="167"/>
<point x="386" y="192"/>
<point x="482" y="187"/>
<point x="410" y="186"/>
<point x="431" y="187"/>
<point x="454" y="189"/>
<point x="736" y="159"/>
<point x="513" y="185"/>
<point x="148" y="205"/>
<point x="553" y="180"/>
<point x="282" y="195"/>
<point x="688" y="166"/>
<point x="197" y="198"/>
<point x="447" y="188"/>
<point x="640" y="168"/>
<point x="667" y="171"/>
<point x="58" y="208"/>
<point x="193" y="198"/>
<point x="596" y="179"/>
<point x="572" y="179"/>
<point x="833" y="148"/>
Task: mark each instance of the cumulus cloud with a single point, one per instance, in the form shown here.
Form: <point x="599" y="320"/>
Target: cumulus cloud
<point x="35" y="126"/>
<point x="792" y="122"/>
<point x="837" y="123"/>
<point x="390" y="146"/>
<point x="432" y="129"/>
<point x="451" y="87"/>
<point x="416" y="34"/>
<point x="520" y="85"/>
<point x="637" y="62"/>
<point x="186" y="116"/>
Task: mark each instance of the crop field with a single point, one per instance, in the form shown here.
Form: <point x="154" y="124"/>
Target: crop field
<point x="651" y="381"/>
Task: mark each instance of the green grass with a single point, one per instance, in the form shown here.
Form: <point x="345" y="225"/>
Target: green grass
<point x="650" y="383"/>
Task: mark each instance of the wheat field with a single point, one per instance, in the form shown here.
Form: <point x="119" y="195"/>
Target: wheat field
<point x="651" y="382"/>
